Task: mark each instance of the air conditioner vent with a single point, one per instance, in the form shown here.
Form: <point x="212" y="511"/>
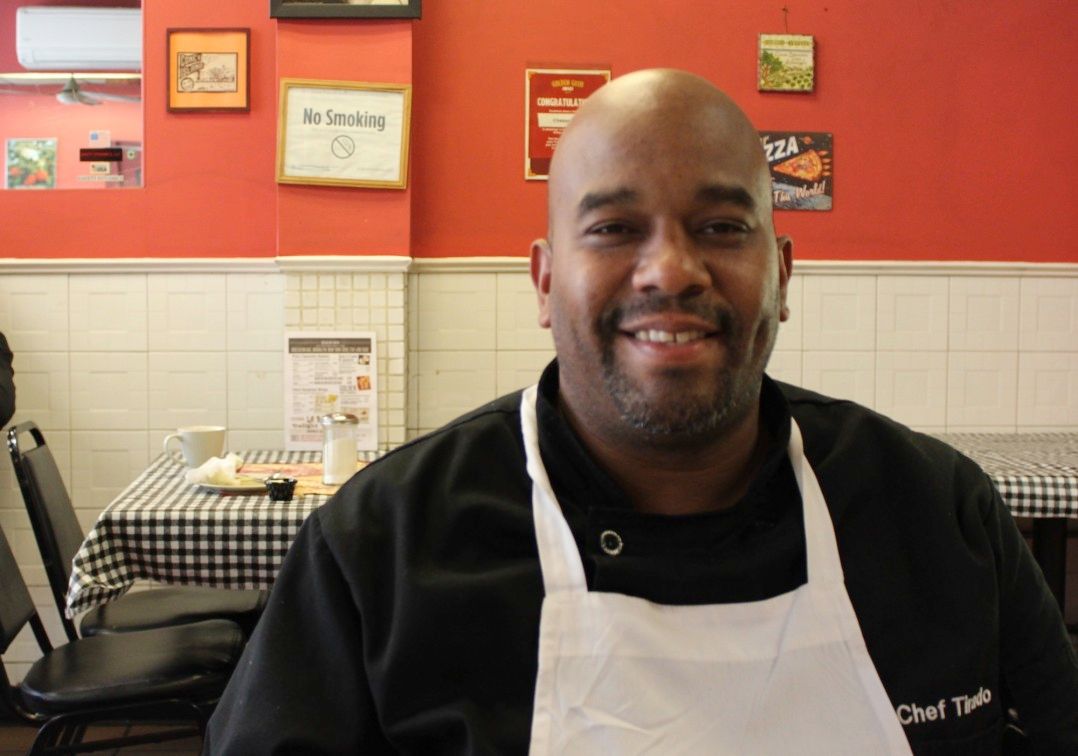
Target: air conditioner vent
<point x="79" y="39"/>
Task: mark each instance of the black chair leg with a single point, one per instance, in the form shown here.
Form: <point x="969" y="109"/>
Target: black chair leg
<point x="65" y="733"/>
<point x="47" y="738"/>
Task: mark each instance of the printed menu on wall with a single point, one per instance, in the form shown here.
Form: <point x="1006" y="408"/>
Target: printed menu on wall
<point x="326" y="373"/>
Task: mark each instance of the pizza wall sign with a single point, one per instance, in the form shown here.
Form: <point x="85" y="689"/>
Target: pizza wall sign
<point x="800" y="164"/>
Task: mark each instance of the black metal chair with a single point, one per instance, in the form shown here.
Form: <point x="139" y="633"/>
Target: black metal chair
<point x="59" y="537"/>
<point x="171" y="677"/>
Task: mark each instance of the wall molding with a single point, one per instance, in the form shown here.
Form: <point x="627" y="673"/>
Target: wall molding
<point x="801" y="267"/>
<point x="285" y="264"/>
<point x="344" y="263"/>
<point x="403" y="264"/>
<point x="61" y="265"/>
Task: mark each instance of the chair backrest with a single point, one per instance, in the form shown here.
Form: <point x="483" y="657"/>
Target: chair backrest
<point x="16" y="610"/>
<point x="52" y="516"/>
<point x="16" y="606"/>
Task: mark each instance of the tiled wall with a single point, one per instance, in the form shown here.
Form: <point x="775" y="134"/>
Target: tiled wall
<point x="107" y="364"/>
<point x="108" y="361"/>
<point x="982" y="349"/>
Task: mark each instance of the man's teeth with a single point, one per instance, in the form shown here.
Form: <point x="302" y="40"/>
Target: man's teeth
<point x="669" y="337"/>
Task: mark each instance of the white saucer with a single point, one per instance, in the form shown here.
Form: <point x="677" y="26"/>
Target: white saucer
<point x="248" y="485"/>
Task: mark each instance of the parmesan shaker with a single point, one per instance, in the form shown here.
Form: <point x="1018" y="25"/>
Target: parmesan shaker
<point x="339" y="449"/>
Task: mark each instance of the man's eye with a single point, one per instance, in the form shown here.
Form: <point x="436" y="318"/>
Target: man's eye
<point x="724" y="228"/>
<point x="610" y="229"/>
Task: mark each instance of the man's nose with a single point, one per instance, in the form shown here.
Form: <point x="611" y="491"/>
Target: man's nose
<point x="669" y="263"/>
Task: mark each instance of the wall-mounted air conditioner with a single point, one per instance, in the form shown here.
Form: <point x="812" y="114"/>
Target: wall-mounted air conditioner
<point x="79" y="39"/>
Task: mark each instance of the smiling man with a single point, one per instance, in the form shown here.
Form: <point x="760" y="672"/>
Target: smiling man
<point x="657" y="548"/>
<point x="666" y="290"/>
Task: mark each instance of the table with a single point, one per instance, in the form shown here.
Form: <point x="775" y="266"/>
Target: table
<point x="165" y="529"/>
<point x="1037" y="476"/>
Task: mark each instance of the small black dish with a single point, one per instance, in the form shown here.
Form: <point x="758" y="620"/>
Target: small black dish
<point x="281" y="489"/>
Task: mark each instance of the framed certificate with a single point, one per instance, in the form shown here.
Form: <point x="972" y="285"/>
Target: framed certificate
<point x="343" y="133"/>
<point x="208" y="69"/>
<point x="551" y="98"/>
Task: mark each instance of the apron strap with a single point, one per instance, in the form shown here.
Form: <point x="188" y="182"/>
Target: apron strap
<point x="559" y="557"/>
<point x="821" y="548"/>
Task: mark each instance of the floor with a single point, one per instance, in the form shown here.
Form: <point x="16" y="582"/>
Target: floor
<point x="15" y="740"/>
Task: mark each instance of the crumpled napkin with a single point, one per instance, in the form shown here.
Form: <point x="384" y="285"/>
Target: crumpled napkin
<point x="216" y="471"/>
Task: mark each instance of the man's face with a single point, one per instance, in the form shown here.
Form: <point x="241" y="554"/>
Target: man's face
<point x="662" y="281"/>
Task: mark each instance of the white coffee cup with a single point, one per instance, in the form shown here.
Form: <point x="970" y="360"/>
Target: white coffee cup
<point x="198" y="443"/>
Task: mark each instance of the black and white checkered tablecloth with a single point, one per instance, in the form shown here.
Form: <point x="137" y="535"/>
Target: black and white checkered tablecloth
<point x="163" y="528"/>
<point x="1036" y="473"/>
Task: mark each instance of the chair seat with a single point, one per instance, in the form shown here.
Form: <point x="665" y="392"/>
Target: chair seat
<point x="191" y="662"/>
<point x="174" y="605"/>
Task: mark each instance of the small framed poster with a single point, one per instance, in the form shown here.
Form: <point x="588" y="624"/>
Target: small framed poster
<point x="800" y="164"/>
<point x="344" y="133"/>
<point x="786" y="63"/>
<point x="551" y="98"/>
<point x="208" y="70"/>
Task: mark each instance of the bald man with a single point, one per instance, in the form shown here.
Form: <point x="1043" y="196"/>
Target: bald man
<point x="657" y="548"/>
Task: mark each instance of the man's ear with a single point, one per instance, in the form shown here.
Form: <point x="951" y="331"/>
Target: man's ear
<point x="540" y="271"/>
<point x="785" y="247"/>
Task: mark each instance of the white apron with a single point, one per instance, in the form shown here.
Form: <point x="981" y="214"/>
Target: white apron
<point x="621" y="675"/>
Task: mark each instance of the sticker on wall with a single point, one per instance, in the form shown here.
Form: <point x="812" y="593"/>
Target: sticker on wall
<point x="551" y="99"/>
<point x="30" y="164"/>
<point x="786" y="63"/>
<point x="800" y="164"/>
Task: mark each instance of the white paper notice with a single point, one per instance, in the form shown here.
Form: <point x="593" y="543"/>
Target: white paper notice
<point x="326" y="373"/>
<point x="344" y="134"/>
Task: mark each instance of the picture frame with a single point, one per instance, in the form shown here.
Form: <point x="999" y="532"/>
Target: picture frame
<point x="786" y="63"/>
<point x="343" y="133"/>
<point x="30" y="163"/>
<point x="208" y="70"/>
<point x="345" y="8"/>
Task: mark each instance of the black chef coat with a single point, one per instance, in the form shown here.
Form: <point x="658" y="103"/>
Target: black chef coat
<point x="405" y="617"/>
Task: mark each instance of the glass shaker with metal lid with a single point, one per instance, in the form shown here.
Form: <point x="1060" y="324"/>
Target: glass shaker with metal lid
<point x="339" y="450"/>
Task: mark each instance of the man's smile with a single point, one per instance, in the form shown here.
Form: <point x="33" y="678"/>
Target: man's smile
<point x="669" y="337"/>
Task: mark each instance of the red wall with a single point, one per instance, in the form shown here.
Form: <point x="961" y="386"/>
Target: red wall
<point x="952" y="129"/>
<point x="333" y="220"/>
<point x="953" y="122"/>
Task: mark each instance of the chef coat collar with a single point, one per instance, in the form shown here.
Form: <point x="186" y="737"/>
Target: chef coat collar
<point x="576" y="475"/>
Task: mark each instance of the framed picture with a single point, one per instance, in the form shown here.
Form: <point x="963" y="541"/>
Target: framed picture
<point x="344" y="8"/>
<point x="343" y="133"/>
<point x="786" y="63"/>
<point x="208" y="70"/>
<point x="30" y="163"/>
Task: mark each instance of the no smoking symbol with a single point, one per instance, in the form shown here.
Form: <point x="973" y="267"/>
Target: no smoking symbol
<point x="343" y="146"/>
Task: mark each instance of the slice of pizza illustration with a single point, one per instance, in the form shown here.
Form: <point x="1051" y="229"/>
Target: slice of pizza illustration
<point x="811" y="165"/>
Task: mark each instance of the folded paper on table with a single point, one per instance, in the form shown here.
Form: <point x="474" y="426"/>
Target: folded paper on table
<point x="308" y="475"/>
